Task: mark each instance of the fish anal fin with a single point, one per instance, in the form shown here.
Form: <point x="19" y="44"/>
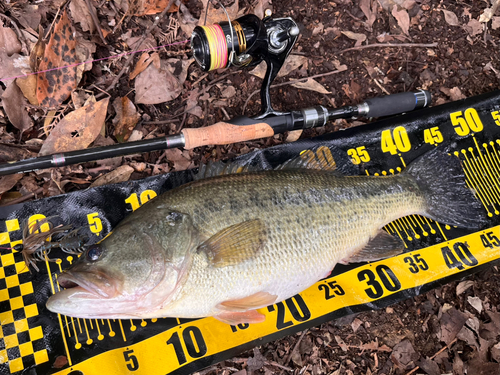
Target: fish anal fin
<point x="254" y="301"/>
<point x="235" y="244"/>
<point x="382" y="246"/>
<point x="233" y="317"/>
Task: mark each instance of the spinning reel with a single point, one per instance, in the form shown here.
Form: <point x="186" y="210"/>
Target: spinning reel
<point x="247" y="41"/>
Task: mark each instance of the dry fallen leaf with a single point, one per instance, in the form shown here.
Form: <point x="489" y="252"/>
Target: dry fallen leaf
<point x="463" y="286"/>
<point x="403" y="19"/>
<point x="495" y="23"/>
<point x="8" y="41"/>
<point x="14" y="105"/>
<point x="369" y="9"/>
<point x="81" y="14"/>
<point x="454" y="93"/>
<point x="181" y="159"/>
<point x="120" y="174"/>
<point x="450" y="17"/>
<point x="358" y="37"/>
<point x="77" y="130"/>
<point x="474" y="27"/>
<point x="312" y="85"/>
<point x="144" y="62"/>
<point x="476" y="303"/>
<point x="218" y="15"/>
<point x="147" y="7"/>
<point x="28" y="87"/>
<point x="12" y="66"/>
<point x="291" y="63"/>
<point x="8" y="182"/>
<point x="192" y="103"/>
<point x="126" y="118"/>
<point x="55" y="86"/>
<point x="294" y="135"/>
<point x="154" y="85"/>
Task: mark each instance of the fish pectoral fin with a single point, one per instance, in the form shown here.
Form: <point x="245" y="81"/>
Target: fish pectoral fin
<point x="383" y="245"/>
<point x="235" y="244"/>
<point x="255" y="301"/>
<point x="233" y="318"/>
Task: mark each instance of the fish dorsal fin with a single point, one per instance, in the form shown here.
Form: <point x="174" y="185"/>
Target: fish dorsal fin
<point x="319" y="158"/>
<point x="255" y="301"/>
<point x="219" y="168"/>
<point x="383" y="245"/>
<point x="235" y="244"/>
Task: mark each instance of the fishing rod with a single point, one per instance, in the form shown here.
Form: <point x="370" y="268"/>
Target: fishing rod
<point x="245" y="41"/>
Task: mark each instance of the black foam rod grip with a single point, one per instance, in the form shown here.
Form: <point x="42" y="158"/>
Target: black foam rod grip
<point x="397" y="103"/>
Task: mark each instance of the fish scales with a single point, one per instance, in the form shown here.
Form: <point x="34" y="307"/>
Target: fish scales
<point x="312" y="219"/>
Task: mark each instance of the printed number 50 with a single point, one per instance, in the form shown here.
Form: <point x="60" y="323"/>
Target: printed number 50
<point x="496" y="117"/>
<point x="469" y="121"/>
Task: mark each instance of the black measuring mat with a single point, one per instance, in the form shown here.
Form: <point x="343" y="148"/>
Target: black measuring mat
<point x="34" y="340"/>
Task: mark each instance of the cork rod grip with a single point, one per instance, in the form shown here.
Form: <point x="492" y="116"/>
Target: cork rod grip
<point x="223" y="133"/>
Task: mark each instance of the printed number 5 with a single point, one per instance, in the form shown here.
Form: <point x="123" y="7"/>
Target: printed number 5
<point x="496" y="117"/>
<point x="358" y="155"/>
<point x="129" y="357"/>
<point x="95" y="223"/>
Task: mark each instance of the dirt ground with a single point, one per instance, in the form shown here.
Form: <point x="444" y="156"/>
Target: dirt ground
<point x="352" y="46"/>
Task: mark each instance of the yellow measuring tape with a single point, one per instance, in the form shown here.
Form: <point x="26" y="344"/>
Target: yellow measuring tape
<point x="189" y="342"/>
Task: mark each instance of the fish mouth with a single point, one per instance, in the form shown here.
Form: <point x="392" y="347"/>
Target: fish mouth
<point x="95" y="283"/>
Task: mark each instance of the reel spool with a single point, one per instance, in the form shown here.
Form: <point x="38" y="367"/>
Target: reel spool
<point x="246" y="41"/>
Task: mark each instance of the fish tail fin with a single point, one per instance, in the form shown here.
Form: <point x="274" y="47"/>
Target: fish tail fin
<point x="441" y="179"/>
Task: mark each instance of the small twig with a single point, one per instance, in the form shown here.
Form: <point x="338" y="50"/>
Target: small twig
<point x="200" y="79"/>
<point x="275" y="364"/>
<point x="139" y="42"/>
<point x="381" y="87"/>
<point x="295" y="347"/>
<point x="226" y="115"/>
<point x="375" y="45"/>
<point x="161" y="122"/>
<point x="93" y="14"/>
<point x="435" y="355"/>
<point x="52" y="24"/>
<point x="291" y="83"/>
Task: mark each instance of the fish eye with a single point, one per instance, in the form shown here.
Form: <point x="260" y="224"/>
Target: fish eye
<point x="94" y="253"/>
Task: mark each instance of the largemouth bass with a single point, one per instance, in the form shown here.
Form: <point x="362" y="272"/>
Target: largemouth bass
<point x="228" y="245"/>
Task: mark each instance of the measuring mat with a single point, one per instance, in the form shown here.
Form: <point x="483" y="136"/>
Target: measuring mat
<point x="35" y="340"/>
